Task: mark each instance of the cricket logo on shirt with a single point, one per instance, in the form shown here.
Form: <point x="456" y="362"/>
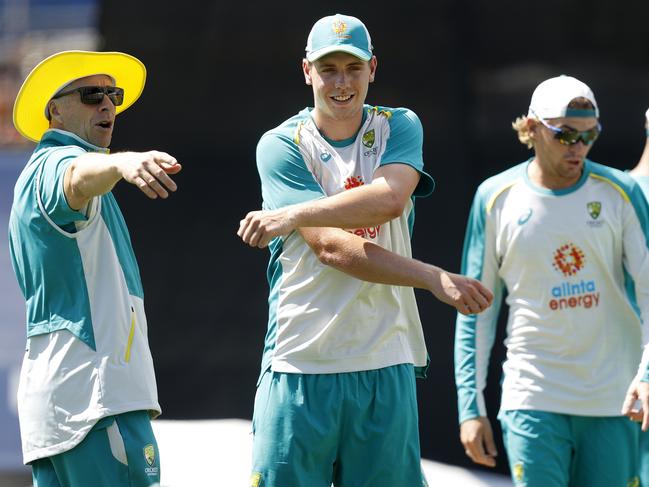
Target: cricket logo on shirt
<point x="594" y="209"/>
<point x="368" y="138"/>
<point x="569" y="259"/>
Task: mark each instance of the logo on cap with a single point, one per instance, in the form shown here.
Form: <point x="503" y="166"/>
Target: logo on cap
<point x="339" y="27"/>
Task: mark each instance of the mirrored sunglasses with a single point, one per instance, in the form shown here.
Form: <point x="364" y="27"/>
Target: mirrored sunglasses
<point x="94" y="95"/>
<point x="569" y="136"/>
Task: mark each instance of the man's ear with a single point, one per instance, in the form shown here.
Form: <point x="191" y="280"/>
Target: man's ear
<point x="306" y="70"/>
<point x="55" y="113"/>
<point x="373" y="64"/>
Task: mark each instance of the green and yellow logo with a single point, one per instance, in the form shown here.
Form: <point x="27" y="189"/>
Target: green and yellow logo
<point x="256" y="480"/>
<point x="518" y="472"/>
<point x="149" y="454"/>
<point x="634" y="482"/>
<point x="594" y="209"/>
<point x="369" y="138"/>
<point x="339" y="28"/>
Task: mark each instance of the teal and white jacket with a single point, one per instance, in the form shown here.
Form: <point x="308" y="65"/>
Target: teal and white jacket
<point x="573" y="265"/>
<point x="322" y="320"/>
<point x="87" y="350"/>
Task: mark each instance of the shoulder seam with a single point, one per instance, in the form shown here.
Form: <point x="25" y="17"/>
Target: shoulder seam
<point x="615" y="186"/>
<point x="497" y="193"/>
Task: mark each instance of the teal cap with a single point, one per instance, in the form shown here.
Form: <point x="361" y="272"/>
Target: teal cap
<point x="337" y="33"/>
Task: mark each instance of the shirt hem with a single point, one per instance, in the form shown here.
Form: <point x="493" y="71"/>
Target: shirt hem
<point x="48" y="451"/>
<point x="337" y="366"/>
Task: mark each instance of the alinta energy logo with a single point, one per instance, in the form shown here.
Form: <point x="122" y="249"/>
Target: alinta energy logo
<point x="569" y="260"/>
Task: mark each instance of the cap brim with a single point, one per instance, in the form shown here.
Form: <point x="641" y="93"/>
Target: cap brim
<point x="354" y="51"/>
<point x="58" y="70"/>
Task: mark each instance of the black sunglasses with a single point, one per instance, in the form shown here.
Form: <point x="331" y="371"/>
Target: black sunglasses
<point x="570" y="136"/>
<point x="94" y="95"/>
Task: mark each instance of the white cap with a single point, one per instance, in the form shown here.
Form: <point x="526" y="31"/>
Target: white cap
<point x="552" y="97"/>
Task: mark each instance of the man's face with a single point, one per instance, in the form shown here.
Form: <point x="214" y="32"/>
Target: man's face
<point x="93" y="123"/>
<point x="340" y="83"/>
<point x="561" y="163"/>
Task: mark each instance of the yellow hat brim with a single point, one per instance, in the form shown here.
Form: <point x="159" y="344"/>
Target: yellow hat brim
<point x="54" y="72"/>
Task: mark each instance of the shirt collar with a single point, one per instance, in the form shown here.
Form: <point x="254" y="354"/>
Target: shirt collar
<point x="63" y="137"/>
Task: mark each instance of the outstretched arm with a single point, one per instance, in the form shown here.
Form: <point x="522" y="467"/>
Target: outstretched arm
<point x="94" y="174"/>
<point x="367" y="261"/>
<point x="364" y="206"/>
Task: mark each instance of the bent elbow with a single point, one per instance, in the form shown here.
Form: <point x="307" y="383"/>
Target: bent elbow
<point x="327" y="251"/>
<point x="393" y="206"/>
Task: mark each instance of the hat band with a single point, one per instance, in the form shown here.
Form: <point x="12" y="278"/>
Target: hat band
<point x="580" y="112"/>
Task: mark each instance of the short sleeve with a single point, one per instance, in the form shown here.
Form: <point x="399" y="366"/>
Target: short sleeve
<point x="405" y="146"/>
<point x="52" y="194"/>
<point x="285" y="178"/>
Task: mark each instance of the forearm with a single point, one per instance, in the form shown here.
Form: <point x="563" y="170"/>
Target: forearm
<point x="367" y="261"/>
<point x="91" y="175"/>
<point x="364" y="206"/>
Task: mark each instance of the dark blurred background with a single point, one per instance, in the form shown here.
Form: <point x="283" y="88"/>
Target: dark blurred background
<point x="222" y="73"/>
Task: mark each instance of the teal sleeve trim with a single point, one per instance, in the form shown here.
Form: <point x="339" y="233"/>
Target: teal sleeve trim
<point x="54" y="166"/>
<point x="475" y="334"/>
<point x="285" y="178"/>
<point x="405" y="146"/>
<point x="633" y="190"/>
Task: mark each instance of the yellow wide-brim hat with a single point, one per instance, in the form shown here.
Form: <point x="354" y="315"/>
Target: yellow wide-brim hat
<point x="60" y="69"/>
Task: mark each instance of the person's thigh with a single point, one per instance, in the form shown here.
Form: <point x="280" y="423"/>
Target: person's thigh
<point x="606" y="452"/>
<point x="379" y="443"/>
<point x="120" y="451"/>
<point x="539" y="447"/>
<point x="295" y="430"/>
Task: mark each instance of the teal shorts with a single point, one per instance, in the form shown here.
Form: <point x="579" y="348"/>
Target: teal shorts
<point x="560" y="450"/>
<point x="355" y="429"/>
<point x="643" y="460"/>
<point x="119" y="451"/>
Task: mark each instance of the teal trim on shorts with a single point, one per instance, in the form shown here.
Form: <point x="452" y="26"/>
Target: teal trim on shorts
<point x="133" y="461"/>
<point x="559" y="450"/>
<point x="351" y="429"/>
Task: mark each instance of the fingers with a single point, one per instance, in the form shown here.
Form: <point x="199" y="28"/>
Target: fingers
<point x="249" y="230"/>
<point x="490" y="445"/>
<point x="475" y="451"/>
<point x="475" y="298"/>
<point x="644" y="400"/>
<point x="629" y="402"/>
<point x="144" y="187"/>
<point x="150" y="174"/>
